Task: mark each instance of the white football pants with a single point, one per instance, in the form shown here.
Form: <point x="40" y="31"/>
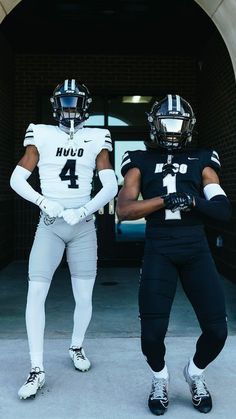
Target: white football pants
<point x="52" y="237"/>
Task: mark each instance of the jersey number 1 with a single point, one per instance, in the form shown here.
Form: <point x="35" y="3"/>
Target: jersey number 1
<point x="68" y="173"/>
<point x="169" y="182"/>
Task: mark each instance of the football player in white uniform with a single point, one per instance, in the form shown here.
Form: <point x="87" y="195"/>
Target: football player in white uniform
<point x="66" y="155"/>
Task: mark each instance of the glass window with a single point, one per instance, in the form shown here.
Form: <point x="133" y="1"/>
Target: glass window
<point x="95" y="120"/>
<point x="130" y="109"/>
<point x="120" y="111"/>
<point x="96" y="112"/>
<point x="127" y="230"/>
<point x="113" y="121"/>
<point x="99" y="120"/>
<point x="120" y="147"/>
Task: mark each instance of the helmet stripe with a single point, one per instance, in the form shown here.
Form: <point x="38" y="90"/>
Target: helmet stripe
<point x="170" y="103"/>
<point x="177" y="103"/>
<point x="73" y="84"/>
<point x="66" y="85"/>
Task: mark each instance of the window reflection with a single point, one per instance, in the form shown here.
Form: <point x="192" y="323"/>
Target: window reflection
<point x="126" y="111"/>
<point x="99" y="120"/>
<point x="134" y="113"/>
<point x="127" y="230"/>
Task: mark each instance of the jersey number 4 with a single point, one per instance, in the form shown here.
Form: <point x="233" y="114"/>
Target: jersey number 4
<point x="68" y="173"/>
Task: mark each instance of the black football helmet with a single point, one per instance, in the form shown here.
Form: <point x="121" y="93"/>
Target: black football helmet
<point x="171" y="123"/>
<point x="70" y="102"/>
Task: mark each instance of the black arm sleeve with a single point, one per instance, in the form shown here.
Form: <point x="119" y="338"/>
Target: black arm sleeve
<point x="217" y="207"/>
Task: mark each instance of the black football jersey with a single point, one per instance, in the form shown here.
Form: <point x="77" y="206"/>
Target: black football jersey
<point x="164" y="172"/>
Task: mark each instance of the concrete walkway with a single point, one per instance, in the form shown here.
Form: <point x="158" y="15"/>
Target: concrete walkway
<point x="118" y="384"/>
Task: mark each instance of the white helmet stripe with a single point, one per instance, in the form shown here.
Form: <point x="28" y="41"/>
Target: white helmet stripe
<point x="66" y="85"/>
<point x="177" y="103"/>
<point x="73" y="84"/>
<point x="170" y="103"/>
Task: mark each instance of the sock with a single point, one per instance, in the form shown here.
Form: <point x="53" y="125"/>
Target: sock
<point x="35" y="320"/>
<point x="161" y="374"/>
<point x="82" y="290"/>
<point x="37" y="360"/>
<point x="193" y="370"/>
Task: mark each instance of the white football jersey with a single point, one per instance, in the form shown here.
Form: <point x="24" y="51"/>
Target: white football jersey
<point x="66" y="172"/>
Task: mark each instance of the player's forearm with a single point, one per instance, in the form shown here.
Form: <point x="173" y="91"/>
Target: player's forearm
<point x="19" y="184"/>
<point x="108" y="191"/>
<point x="218" y="207"/>
<point x="216" y="204"/>
<point x="133" y="210"/>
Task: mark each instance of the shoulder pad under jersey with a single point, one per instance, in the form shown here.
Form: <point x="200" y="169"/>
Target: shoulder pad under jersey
<point x="29" y="136"/>
<point x="210" y="158"/>
<point x="101" y="136"/>
<point x="131" y="159"/>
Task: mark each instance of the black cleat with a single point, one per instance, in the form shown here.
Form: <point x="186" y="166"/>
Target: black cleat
<point x="201" y="397"/>
<point x="158" y="399"/>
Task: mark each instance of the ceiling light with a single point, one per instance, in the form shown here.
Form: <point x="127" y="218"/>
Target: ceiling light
<point x="136" y="99"/>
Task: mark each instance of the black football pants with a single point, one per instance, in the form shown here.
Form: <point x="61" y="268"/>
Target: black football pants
<point x="194" y="266"/>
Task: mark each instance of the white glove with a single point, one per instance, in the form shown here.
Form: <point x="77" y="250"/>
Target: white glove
<point x="51" y="208"/>
<point x="74" y="216"/>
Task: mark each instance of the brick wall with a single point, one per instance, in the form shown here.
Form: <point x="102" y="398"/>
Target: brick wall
<point x="6" y="152"/>
<point x="217" y="128"/>
<point x="102" y="74"/>
<point x="211" y="92"/>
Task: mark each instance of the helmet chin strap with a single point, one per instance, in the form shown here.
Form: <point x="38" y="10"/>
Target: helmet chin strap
<point x="71" y="142"/>
<point x="72" y="130"/>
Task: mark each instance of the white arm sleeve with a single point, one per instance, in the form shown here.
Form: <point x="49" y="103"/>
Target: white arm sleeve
<point x="212" y="189"/>
<point x="19" y="184"/>
<point x="108" y="191"/>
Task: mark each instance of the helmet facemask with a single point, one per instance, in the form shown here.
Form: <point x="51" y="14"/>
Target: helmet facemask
<point x="70" y="108"/>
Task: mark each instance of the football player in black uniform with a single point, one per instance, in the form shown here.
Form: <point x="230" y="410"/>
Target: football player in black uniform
<point x="179" y="188"/>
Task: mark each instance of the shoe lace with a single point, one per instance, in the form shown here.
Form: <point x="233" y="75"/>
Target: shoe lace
<point x="159" y="390"/>
<point x="199" y="386"/>
<point x="78" y="353"/>
<point x="33" y="375"/>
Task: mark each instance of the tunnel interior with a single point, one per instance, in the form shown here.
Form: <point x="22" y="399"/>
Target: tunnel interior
<point x="117" y="48"/>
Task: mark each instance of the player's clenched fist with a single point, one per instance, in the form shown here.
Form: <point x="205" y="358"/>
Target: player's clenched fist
<point x="74" y="216"/>
<point x="178" y="201"/>
<point x="51" y="208"/>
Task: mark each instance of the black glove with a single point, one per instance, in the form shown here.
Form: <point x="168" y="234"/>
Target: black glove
<point x="168" y="169"/>
<point x="178" y="201"/>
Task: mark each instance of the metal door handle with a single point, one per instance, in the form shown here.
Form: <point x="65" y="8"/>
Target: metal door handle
<point x="111" y="208"/>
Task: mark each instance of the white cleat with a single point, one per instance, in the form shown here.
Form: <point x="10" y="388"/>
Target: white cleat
<point x="81" y="362"/>
<point x="35" y="380"/>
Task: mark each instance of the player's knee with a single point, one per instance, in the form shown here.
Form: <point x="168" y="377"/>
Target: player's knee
<point x="153" y="328"/>
<point x="84" y="274"/>
<point x="83" y="290"/>
<point x="39" y="278"/>
<point x="37" y="292"/>
<point x="84" y="299"/>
